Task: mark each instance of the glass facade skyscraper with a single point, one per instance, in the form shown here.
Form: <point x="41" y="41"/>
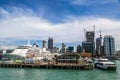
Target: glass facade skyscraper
<point x="89" y="44"/>
<point x="109" y="45"/>
<point x="50" y="43"/>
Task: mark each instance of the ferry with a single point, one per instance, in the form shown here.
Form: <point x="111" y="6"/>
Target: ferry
<point x="105" y="64"/>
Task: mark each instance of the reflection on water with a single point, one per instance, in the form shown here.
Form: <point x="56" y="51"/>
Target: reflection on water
<point x="53" y="74"/>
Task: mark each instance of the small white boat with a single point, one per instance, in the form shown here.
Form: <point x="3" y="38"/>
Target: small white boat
<point x="105" y="64"/>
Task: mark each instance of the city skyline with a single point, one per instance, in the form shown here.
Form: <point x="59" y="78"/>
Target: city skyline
<point x="65" y="21"/>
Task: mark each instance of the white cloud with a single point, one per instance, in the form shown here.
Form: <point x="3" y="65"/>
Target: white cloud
<point x="72" y="30"/>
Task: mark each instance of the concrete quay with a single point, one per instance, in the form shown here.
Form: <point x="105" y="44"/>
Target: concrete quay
<point x="48" y="66"/>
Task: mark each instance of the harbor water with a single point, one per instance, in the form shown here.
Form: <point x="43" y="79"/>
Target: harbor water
<point x="58" y="74"/>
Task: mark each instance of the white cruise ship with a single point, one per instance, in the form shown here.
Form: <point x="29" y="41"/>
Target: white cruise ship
<point x="23" y="50"/>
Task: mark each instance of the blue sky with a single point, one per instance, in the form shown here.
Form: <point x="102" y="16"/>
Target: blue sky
<point x="64" y="20"/>
<point x="59" y="9"/>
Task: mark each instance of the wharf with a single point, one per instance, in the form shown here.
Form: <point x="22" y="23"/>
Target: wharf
<point x="48" y="66"/>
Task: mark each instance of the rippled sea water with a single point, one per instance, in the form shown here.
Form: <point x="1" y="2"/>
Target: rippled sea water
<point x="58" y="74"/>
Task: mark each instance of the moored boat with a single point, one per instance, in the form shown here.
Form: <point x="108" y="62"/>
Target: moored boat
<point x="105" y="64"/>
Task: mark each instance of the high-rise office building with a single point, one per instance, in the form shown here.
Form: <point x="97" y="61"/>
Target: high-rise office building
<point x="70" y="49"/>
<point x="109" y="45"/>
<point x="102" y="51"/>
<point x="55" y="50"/>
<point x="50" y="43"/>
<point x="79" y="49"/>
<point x="63" y="49"/>
<point x="89" y="47"/>
<point x="90" y="35"/>
<point x="89" y="44"/>
<point x="98" y="46"/>
<point x="44" y="44"/>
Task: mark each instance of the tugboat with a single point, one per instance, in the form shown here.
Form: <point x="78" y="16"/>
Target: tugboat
<point x="105" y="64"/>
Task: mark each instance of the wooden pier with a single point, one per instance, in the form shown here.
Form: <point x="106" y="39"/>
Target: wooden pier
<point x="48" y="66"/>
